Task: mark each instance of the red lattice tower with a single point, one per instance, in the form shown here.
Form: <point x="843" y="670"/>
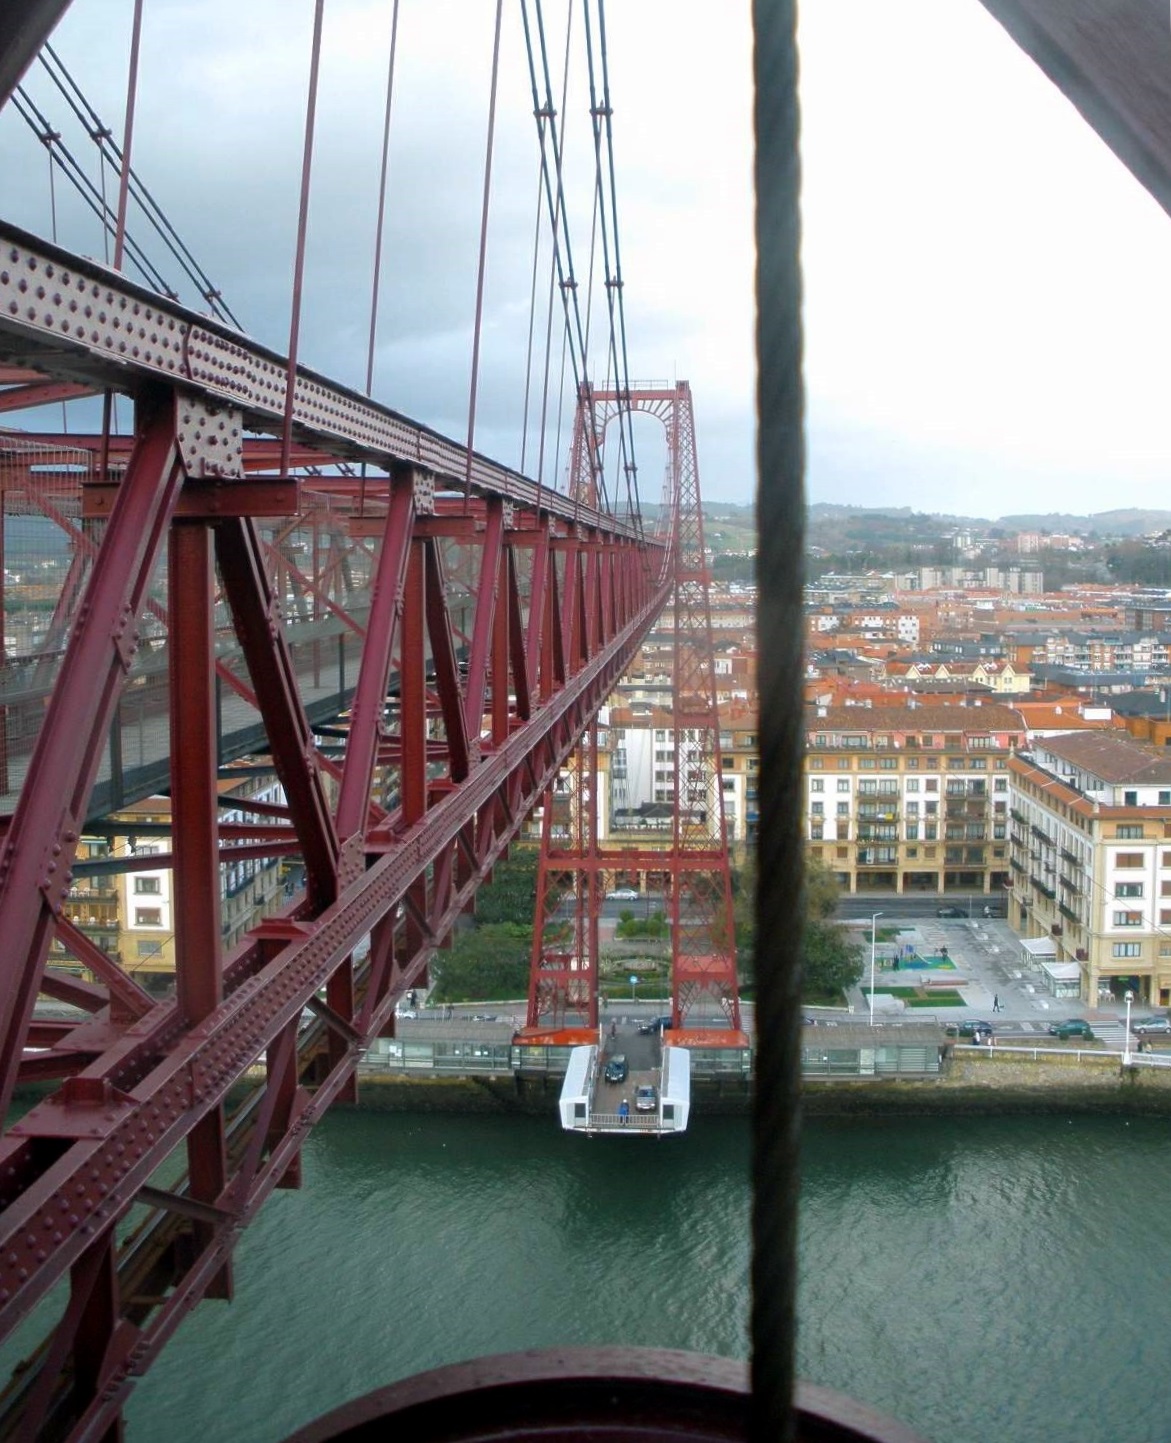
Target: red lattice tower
<point x="564" y="977"/>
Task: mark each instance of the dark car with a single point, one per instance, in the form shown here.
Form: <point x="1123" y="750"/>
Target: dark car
<point x="950" y="912"/>
<point x="1151" y="1026"/>
<point x="1071" y="1027"/>
<point x="646" y="1099"/>
<point x="616" y="1069"/>
<point x="981" y="1031"/>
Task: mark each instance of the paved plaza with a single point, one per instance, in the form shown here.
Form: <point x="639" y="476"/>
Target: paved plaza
<point x="983" y="960"/>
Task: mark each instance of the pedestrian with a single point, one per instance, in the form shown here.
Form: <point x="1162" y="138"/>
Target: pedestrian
<point x="896" y="967"/>
<point x="613" y="1029"/>
<point x="996" y="1002"/>
<point x="623" y="1112"/>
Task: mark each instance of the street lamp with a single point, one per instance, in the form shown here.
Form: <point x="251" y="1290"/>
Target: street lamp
<point x="1126" y="1044"/>
<point x="873" y="934"/>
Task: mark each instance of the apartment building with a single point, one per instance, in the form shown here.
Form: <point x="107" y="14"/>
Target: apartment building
<point x="637" y="771"/>
<point x="1090" y="860"/>
<point x="911" y="798"/>
<point x="124" y="906"/>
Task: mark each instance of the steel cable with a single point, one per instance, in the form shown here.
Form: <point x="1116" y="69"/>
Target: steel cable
<point x="780" y="900"/>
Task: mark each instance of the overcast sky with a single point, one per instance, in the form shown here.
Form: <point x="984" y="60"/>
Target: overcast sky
<point x="987" y="289"/>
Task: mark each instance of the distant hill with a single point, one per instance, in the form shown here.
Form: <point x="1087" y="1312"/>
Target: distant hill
<point x="1123" y="522"/>
<point x="1127" y="522"/>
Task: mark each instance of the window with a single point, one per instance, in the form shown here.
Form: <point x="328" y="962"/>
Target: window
<point x="727" y="761"/>
<point x="889" y="763"/>
<point x="149" y="949"/>
<point x="1128" y="889"/>
<point x="818" y="809"/>
<point x="816" y="764"/>
<point x="816" y="832"/>
<point x="930" y="832"/>
<point x="1130" y="833"/>
<point x="1164" y="916"/>
<point x="912" y="784"/>
<point x="1165" y="859"/>
<point x="1130" y="799"/>
<point x="956" y="764"/>
<point x="1165" y="799"/>
<point x="1128" y="859"/>
<point x="147" y="885"/>
<point x="1127" y="949"/>
<point x="148" y="917"/>
<point x="912" y="831"/>
<point x="911" y="763"/>
<point x="843" y="764"/>
<point x="843" y="785"/>
<point x="843" y="809"/>
<point x="932" y="784"/>
<point x="1000" y="784"/>
<point x="912" y="851"/>
<point x="912" y="809"/>
<point x="817" y="785"/>
<point x="1165" y="949"/>
<point x="1128" y="919"/>
<point x="867" y="763"/>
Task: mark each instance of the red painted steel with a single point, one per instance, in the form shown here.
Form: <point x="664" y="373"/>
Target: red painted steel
<point x="418" y="650"/>
<point x="450" y="744"/>
<point x="573" y="865"/>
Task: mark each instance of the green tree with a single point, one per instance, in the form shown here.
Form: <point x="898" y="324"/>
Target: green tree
<point x="831" y="963"/>
<point x="511" y="896"/>
<point x="484" y="964"/>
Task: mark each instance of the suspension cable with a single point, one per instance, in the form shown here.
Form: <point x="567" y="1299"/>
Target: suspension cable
<point x="381" y="201"/>
<point x="128" y="136"/>
<point x="71" y="168"/>
<point x="548" y="135"/>
<point x="302" y="229"/>
<point x="600" y="112"/>
<point x="483" y="254"/>
<point x="102" y="137"/>
<point x="552" y="281"/>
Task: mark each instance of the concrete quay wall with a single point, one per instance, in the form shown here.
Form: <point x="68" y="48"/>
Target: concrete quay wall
<point x="998" y="1083"/>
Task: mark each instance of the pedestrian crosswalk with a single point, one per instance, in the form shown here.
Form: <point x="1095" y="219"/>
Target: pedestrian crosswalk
<point x="1113" y="1033"/>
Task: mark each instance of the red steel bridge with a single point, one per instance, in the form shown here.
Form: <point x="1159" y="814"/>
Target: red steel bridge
<point x="267" y="558"/>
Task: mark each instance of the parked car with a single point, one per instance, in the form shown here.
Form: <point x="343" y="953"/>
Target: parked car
<point x="624" y="894"/>
<point x="616" y="1069"/>
<point x="646" y="1099"/>
<point x="1072" y="1027"/>
<point x="1150" y="1026"/>
<point x="950" y="912"/>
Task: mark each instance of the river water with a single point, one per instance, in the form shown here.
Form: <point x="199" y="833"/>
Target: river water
<point x="982" y="1277"/>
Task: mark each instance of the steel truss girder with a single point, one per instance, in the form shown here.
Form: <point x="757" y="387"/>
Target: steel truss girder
<point x="151" y="1078"/>
<point x="75" y="320"/>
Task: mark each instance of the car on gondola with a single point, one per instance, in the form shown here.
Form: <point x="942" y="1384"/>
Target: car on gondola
<point x="616" y="1068"/>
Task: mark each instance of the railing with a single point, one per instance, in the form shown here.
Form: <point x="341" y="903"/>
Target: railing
<point x="636" y="1122"/>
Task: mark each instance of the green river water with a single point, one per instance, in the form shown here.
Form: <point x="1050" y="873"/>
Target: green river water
<point x="982" y="1277"/>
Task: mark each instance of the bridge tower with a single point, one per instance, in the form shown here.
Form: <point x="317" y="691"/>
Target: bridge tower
<point x="574" y="861"/>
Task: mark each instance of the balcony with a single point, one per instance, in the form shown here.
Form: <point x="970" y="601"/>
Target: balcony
<point x="1018" y="816"/>
<point x="1042" y="836"/>
<point x="1068" y="912"/>
<point x="1016" y="866"/>
<point x="1043" y="887"/>
<point x="1068" y="857"/>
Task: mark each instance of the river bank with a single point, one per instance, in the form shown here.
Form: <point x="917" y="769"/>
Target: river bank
<point x="999" y="1083"/>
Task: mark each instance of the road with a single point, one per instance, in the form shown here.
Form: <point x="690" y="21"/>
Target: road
<point x="917" y="904"/>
